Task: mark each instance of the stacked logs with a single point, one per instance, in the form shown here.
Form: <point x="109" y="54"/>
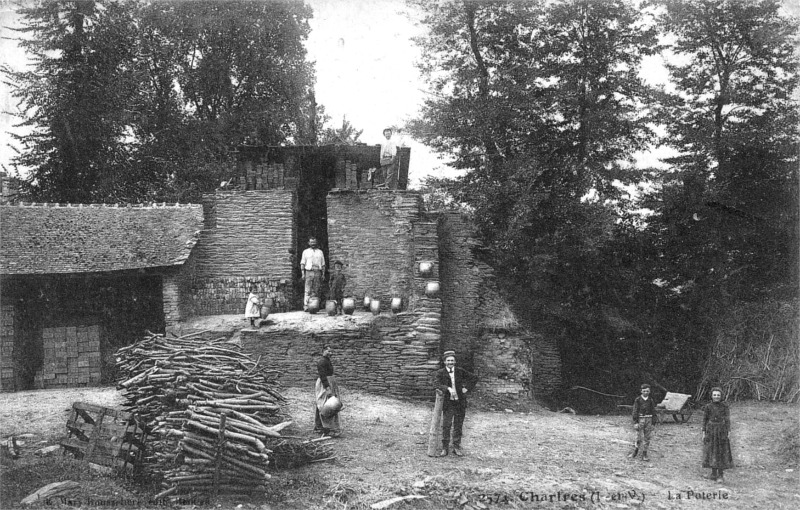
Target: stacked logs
<point x="213" y="413"/>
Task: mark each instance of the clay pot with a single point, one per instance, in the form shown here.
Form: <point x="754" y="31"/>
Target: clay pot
<point x="331" y="407"/>
<point x="330" y="307"/>
<point x="432" y="289"/>
<point x="397" y="304"/>
<point x="375" y="306"/>
<point x="348" y="306"/>
<point x="367" y="301"/>
<point x="313" y="305"/>
<point x="425" y="268"/>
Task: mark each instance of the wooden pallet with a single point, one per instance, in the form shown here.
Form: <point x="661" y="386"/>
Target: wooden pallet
<point x="104" y="436"/>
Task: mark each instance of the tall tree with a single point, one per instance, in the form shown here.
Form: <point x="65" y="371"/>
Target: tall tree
<point x="731" y="202"/>
<point x="77" y="98"/>
<point x="543" y="104"/>
<point x="724" y="229"/>
<point x="139" y="100"/>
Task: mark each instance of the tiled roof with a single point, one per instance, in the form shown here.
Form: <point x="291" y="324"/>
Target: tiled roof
<point x="53" y="238"/>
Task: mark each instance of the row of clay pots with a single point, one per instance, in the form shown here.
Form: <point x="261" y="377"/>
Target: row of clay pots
<point x="432" y="288"/>
<point x="348" y="306"/>
<point x="374" y="305"/>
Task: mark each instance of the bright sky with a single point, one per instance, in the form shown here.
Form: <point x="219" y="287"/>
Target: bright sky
<point x="365" y="71"/>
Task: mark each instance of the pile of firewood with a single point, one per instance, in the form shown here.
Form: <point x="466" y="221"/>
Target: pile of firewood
<point x="212" y="412"/>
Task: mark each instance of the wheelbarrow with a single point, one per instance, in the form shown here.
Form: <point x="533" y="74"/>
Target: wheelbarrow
<point x="679" y="405"/>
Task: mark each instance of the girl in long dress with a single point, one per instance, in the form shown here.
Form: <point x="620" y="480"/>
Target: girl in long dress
<point x="252" y="310"/>
<point x="716" y="444"/>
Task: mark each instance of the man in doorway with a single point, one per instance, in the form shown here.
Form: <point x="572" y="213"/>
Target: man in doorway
<point x="312" y="264"/>
<point x="454" y="383"/>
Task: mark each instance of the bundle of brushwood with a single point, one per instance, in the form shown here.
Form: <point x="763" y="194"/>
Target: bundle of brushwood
<point x="212" y="412"/>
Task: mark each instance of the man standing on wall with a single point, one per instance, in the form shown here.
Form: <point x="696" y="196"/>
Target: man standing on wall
<point x="388" y="171"/>
<point x="453" y="383"/>
<point x="313" y="266"/>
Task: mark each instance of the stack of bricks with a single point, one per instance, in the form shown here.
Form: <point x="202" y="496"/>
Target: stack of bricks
<point x="341" y="174"/>
<point x="71" y="357"/>
<point x="228" y="295"/>
<point x="264" y="176"/>
<point x="7" y="381"/>
<point x="351" y="175"/>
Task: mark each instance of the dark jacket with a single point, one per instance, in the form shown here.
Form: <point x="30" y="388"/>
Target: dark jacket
<point x="336" y="286"/>
<point x="642" y="407"/>
<point x="717" y="414"/>
<point x="463" y="379"/>
<point x="324" y="369"/>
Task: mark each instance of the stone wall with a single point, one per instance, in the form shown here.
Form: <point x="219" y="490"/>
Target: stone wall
<point x="250" y="237"/>
<point x="386" y="354"/>
<point x="480" y="326"/>
<point x="463" y="278"/>
<point x="503" y="364"/>
<point x="371" y="233"/>
<point x="7" y="372"/>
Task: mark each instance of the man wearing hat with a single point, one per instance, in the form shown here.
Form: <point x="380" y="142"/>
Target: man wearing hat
<point x="312" y="264"/>
<point x="454" y="384"/>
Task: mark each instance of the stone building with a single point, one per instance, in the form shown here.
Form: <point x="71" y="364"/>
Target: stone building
<point x="80" y="281"/>
<point x="168" y="266"/>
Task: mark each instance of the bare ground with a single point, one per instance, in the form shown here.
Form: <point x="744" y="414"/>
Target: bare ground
<point x="513" y="460"/>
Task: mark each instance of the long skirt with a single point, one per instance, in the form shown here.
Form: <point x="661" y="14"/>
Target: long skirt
<point x="717" y="447"/>
<point x="435" y="430"/>
<point x="330" y="423"/>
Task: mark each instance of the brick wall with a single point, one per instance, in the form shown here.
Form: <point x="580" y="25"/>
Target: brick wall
<point x="462" y="278"/>
<point x="71" y="357"/>
<point x="250" y="236"/>
<point x="509" y="362"/>
<point x="371" y="232"/>
<point x="385" y="354"/>
<point x="7" y="373"/>
<point x="503" y="364"/>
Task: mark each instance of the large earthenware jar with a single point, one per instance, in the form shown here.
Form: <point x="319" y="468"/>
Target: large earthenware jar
<point x="432" y="289"/>
<point x="367" y="301"/>
<point x="425" y="268"/>
<point x="397" y="304"/>
<point x="348" y="305"/>
<point x="330" y="307"/>
<point x="313" y="305"/>
<point x="375" y="306"/>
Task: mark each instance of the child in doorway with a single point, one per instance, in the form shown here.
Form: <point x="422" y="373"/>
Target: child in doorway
<point x="644" y="412"/>
<point x="252" y="310"/>
<point x="337" y="286"/>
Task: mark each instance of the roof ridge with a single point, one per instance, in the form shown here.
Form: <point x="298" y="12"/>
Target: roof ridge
<point x="150" y="205"/>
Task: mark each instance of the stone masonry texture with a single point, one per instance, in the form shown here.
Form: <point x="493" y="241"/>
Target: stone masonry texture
<point x="383" y="354"/>
<point x="249" y="238"/>
<point x="371" y="233"/>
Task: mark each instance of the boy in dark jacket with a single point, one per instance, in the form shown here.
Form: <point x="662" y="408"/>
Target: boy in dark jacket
<point x="644" y="412"/>
<point x="337" y="284"/>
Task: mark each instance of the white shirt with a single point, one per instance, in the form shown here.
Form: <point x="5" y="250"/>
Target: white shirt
<point x="388" y="152"/>
<point x="312" y="257"/>
<point x="454" y="393"/>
